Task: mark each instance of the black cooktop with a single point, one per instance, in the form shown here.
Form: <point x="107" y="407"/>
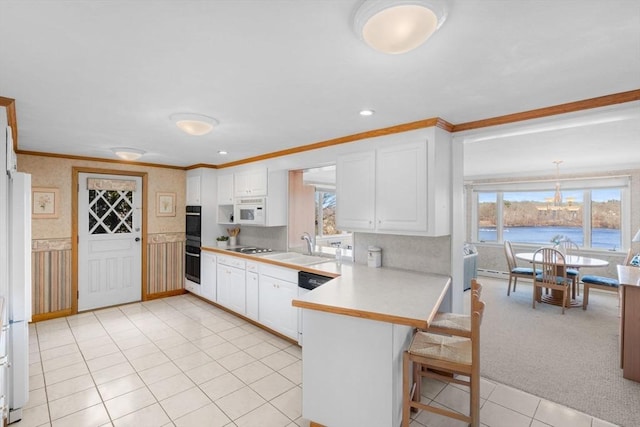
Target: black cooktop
<point x="250" y="250"/>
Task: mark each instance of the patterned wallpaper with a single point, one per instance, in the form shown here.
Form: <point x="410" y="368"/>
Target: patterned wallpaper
<point x="53" y="172"/>
<point x="51" y="250"/>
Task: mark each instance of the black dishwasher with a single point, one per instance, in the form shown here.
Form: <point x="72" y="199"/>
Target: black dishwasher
<point x="306" y="283"/>
<point x="310" y="281"/>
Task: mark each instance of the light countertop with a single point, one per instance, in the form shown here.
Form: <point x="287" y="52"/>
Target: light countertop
<point x="628" y="275"/>
<point x="384" y="294"/>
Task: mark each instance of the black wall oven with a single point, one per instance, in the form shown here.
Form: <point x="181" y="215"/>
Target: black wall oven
<point x="192" y="263"/>
<point x="194" y="223"/>
<point x="192" y="246"/>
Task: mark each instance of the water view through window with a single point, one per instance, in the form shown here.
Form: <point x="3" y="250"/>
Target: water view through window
<point x="539" y="216"/>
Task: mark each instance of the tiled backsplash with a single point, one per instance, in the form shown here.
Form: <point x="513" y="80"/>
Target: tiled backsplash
<point x="263" y="237"/>
<point x="424" y="254"/>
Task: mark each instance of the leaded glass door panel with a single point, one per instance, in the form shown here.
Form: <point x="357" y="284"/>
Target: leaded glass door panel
<point x="109" y="240"/>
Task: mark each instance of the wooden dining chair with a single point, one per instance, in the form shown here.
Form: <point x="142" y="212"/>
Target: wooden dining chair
<point x="553" y="274"/>
<point x="445" y="358"/>
<point x="514" y="270"/>
<point x="609" y="284"/>
<point x="569" y="247"/>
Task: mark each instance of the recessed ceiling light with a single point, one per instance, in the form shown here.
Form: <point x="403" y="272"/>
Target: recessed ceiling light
<point x="194" y="124"/>
<point x="367" y="112"/>
<point x="126" y="153"/>
<point x="222" y="152"/>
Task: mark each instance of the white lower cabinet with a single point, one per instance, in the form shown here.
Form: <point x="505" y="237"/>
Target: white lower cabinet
<point x="231" y="287"/>
<point x="253" y="293"/>
<point x="192" y="287"/>
<point x="208" y="275"/>
<point x="278" y="287"/>
<point x="259" y="291"/>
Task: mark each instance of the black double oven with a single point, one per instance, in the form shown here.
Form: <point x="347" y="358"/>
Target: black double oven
<point x="192" y="246"/>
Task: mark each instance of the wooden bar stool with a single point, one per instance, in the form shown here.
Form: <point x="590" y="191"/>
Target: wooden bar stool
<point x="444" y="357"/>
<point x="453" y="323"/>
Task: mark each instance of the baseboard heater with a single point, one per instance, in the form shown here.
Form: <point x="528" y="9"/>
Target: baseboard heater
<point x="493" y="273"/>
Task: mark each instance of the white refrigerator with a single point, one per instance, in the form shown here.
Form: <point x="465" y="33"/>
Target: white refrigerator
<point x="15" y="280"/>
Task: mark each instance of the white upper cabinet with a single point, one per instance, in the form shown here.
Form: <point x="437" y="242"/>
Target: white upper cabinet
<point x="355" y="191"/>
<point x="254" y="183"/>
<point x="193" y="190"/>
<point x="250" y="183"/>
<point x="400" y="188"/>
<point x="225" y="189"/>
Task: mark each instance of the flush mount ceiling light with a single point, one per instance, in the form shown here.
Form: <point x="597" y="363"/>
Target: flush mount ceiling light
<point x="398" y="26"/>
<point x="126" y="153"/>
<point x="223" y="153"/>
<point x="194" y="124"/>
<point x="367" y="112"/>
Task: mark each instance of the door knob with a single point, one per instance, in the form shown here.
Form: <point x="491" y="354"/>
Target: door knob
<point x="137" y="239"/>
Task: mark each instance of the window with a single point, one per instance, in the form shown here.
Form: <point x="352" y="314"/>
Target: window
<point x="326" y="213"/>
<point x="487" y="217"/>
<point x="323" y="180"/>
<point x="606" y="218"/>
<point x="588" y="212"/>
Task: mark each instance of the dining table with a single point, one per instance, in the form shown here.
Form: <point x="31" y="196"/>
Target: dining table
<point x="571" y="261"/>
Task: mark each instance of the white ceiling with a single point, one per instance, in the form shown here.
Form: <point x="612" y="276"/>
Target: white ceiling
<point x="91" y="75"/>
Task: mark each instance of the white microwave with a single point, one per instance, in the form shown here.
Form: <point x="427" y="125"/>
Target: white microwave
<point x="251" y="211"/>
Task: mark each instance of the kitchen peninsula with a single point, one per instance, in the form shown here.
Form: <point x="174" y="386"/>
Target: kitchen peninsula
<point x="355" y="329"/>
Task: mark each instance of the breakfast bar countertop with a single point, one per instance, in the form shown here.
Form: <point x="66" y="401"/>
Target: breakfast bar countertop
<point x="389" y="295"/>
<point x="358" y="323"/>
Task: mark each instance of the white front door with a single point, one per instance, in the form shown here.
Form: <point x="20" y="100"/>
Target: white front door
<point x="109" y="240"/>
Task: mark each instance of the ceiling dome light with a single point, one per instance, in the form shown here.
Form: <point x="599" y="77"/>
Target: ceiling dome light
<point x="126" y="153"/>
<point x="398" y="26"/>
<point x="367" y="112"/>
<point x="222" y="152"/>
<point x="194" y="124"/>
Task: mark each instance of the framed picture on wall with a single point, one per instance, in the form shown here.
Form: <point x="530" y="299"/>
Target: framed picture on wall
<point x="165" y="204"/>
<point x="44" y="202"/>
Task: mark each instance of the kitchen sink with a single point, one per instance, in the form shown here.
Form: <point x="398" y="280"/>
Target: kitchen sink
<point x="296" y="258"/>
<point x="282" y="256"/>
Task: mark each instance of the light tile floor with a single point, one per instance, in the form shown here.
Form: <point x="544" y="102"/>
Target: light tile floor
<point x="180" y="361"/>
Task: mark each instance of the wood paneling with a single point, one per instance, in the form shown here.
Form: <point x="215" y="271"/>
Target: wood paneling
<point x="51" y="281"/>
<point x="166" y="268"/>
<point x="302" y="206"/>
<point x="52" y="290"/>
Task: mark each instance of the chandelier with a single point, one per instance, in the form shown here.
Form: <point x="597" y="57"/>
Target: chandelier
<point x="556" y="203"/>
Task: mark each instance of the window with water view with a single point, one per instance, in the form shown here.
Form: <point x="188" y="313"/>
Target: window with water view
<point x="588" y="217"/>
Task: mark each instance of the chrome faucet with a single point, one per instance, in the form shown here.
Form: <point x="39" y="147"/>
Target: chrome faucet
<point x="306" y="237"/>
